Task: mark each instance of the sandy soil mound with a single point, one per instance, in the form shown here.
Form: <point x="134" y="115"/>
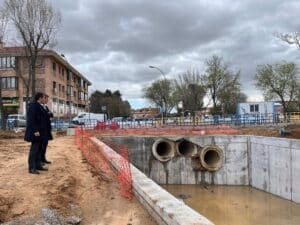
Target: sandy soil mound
<point x="69" y="181"/>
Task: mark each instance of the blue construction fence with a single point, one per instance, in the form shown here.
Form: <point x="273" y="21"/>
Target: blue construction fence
<point x="244" y="120"/>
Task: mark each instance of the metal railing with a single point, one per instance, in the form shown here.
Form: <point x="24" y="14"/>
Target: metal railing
<point x="244" y="120"/>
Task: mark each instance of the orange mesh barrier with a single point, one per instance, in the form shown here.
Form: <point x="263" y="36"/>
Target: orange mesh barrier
<point x="95" y="158"/>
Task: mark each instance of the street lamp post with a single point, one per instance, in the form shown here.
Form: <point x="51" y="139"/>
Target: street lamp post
<point x="154" y="67"/>
<point x="164" y="77"/>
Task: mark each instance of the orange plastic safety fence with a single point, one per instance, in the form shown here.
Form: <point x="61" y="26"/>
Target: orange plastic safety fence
<point x="95" y="158"/>
<point x="124" y="175"/>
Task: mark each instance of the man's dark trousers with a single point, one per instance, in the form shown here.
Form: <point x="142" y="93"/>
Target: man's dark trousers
<point x="44" y="145"/>
<point x="33" y="159"/>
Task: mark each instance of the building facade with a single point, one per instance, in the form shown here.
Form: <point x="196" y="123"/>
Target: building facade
<point x="66" y="87"/>
<point x="145" y="113"/>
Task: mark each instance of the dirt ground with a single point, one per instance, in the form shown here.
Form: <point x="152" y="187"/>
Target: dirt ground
<point x="293" y="131"/>
<point x="70" y="180"/>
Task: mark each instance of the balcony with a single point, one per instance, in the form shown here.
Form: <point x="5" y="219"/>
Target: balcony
<point x="80" y="88"/>
<point x="81" y="102"/>
<point x="10" y="93"/>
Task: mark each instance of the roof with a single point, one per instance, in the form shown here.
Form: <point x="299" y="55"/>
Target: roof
<point x="19" y="51"/>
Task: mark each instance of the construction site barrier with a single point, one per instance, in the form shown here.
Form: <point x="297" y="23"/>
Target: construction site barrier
<point x="85" y="141"/>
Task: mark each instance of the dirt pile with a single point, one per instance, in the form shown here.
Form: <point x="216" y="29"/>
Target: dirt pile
<point x="292" y="131"/>
<point x="69" y="181"/>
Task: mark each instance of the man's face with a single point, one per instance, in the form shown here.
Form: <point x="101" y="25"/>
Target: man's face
<point x="41" y="100"/>
<point x="45" y="99"/>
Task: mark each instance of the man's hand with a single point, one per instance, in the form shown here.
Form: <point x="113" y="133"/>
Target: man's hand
<point x="37" y="134"/>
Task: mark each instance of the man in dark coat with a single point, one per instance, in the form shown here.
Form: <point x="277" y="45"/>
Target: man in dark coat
<point x="44" y="143"/>
<point x="36" y="132"/>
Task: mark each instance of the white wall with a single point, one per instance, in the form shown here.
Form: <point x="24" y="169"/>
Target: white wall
<point x="263" y="107"/>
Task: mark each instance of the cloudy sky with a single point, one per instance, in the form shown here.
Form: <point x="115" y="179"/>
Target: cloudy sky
<point x="113" y="42"/>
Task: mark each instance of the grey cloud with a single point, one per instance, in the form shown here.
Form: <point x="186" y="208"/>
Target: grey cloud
<point x="114" y="42"/>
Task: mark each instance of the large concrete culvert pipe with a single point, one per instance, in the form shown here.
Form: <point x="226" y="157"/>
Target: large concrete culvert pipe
<point x="186" y="148"/>
<point x="163" y="150"/>
<point x="211" y="158"/>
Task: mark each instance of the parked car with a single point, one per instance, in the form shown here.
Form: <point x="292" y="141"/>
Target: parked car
<point x="89" y="118"/>
<point x="16" y="120"/>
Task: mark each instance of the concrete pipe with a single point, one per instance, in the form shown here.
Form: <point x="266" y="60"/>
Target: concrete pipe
<point x="211" y="157"/>
<point x="163" y="150"/>
<point x="186" y="148"/>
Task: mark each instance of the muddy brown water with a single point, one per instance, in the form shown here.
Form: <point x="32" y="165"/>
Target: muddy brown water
<point x="235" y="205"/>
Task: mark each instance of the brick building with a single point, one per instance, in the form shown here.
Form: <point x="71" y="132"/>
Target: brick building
<point x="145" y="113"/>
<point x="66" y="87"/>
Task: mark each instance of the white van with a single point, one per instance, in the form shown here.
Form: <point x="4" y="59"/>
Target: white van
<point x="89" y="118"/>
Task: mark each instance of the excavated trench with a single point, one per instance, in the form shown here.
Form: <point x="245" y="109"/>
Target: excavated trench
<point x="233" y="179"/>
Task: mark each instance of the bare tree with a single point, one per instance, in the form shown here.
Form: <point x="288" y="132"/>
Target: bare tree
<point x="161" y="93"/>
<point x="37" y="23"/>
<point x="220" y="81"/>
<point x="190" y="90"/>
<point x="3" y="24"/>
<point x="278" y="82"/>
<point x="290" y="38"/>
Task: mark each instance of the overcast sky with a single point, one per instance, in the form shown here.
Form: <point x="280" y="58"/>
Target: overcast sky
<point x="112" y="42"/>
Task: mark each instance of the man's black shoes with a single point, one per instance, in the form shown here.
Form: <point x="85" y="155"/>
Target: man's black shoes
<point x="47" y="162"/>
<point x="34" y="172"/>
<point x="42" y="169"/>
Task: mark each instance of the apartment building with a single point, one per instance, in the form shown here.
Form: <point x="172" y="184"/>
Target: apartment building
<point x="67" y="88"/>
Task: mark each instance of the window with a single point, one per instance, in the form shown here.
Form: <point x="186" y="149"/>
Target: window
<point x="59" y="69"/>
<point x="54" y="87"/>
<point x="13" y="62"/>
<point x="54" y="66"/>
<point x="7" y="62"/>
<point x="254" y="108"/>
<point x="81" y="96"/>
<point x="69" y="90"/>
<point x="69" y="75"/>
<point x="9" y="82"/>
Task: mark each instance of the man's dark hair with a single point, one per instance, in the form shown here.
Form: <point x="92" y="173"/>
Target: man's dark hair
<point x="38" y="95"/>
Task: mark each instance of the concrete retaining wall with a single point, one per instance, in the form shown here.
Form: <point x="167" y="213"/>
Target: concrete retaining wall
<point x="164" y="208"/>
<point x="276" y="166"/>
<point x="179" y="170"/>
<point x="269" y="164"/>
